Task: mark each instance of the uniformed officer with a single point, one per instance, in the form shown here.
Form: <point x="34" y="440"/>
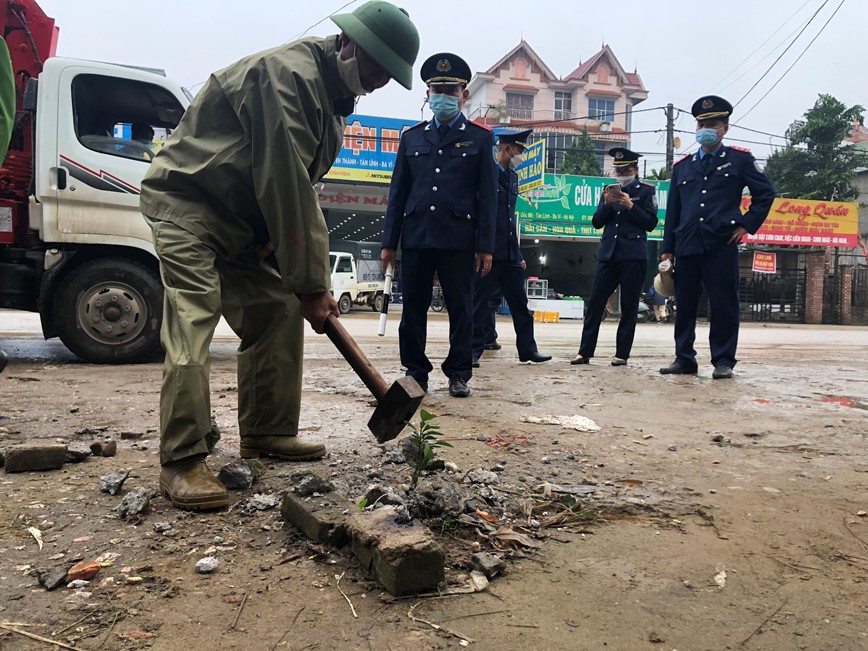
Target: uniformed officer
<point x="507" y="269"/>
<point x="441" y="208"/>
<point x="703" y="229"/>
<point x="627" y="213"/>
<point x="239" y="231"/>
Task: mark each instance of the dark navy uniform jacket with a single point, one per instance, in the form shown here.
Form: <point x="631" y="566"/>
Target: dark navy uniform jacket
<point x="625" y="236"/>
<point x="703" y="208"/>
<point x="506" y="248"/>
<point x="442" y="194"/>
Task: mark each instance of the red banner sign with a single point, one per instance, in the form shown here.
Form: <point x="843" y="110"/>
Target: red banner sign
<point x="808" y="223"/>
<point x="765" y="263"/>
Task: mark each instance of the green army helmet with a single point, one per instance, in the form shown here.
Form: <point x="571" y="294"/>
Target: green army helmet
<point x="386" y="34"/>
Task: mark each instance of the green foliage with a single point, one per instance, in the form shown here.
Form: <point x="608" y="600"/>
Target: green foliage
<point x="581" y="158"/>
<point x="424" y="439"/>
<point x="815" y="165"/>
<point x="658" y="174"/>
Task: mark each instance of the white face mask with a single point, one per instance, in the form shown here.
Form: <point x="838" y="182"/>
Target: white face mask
<point x="624" y="181"/>
<point x="516" y="160"/>
<point x="348" y="69"/>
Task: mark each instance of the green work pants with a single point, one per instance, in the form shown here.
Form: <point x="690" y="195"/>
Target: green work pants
<point x="200" y="286"/>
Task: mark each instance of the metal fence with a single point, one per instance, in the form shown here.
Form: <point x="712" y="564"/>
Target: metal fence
<point x="773" y="297"/>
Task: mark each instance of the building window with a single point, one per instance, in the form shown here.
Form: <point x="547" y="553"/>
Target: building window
<point x="563" y="105"/>
<point x="520" y="106"/>
<point x="520" y="69"/>
<point x="601" y="109"/>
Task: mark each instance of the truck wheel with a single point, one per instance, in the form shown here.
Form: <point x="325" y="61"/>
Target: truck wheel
<point x="345" y="303"/>
<point x="378" y="303"/>
<point x="108" y="311"/>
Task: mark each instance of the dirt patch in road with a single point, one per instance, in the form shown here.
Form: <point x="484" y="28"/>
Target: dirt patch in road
<point x="725" y="513"/>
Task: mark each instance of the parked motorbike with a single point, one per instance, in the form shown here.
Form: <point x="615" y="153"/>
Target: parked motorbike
<point x="437" y="302"/>
<point x="651" y="315"/>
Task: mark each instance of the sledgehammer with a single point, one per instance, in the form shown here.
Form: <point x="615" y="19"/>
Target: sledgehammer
<point x="396" y="403"/>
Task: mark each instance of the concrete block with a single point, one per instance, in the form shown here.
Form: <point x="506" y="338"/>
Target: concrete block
<point x="321" y="518"/>
<point x="404" y="558"/>
<point x="21" y="458"/>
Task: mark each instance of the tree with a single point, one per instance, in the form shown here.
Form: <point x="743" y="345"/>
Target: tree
<point x="581" y="158"/>
<point x="658" y="174"/>
<point x="815" y="164"/>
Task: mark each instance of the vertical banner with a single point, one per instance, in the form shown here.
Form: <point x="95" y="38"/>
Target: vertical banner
<point x="765" y="263"/>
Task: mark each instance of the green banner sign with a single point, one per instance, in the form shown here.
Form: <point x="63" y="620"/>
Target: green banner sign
<point x="564" y="205"/>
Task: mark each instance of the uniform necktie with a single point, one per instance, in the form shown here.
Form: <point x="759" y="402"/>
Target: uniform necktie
<point x="706" y="162"/>
<point x="443" y="129"/>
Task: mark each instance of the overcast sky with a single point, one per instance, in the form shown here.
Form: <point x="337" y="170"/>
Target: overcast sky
<point x="681" y="48"/>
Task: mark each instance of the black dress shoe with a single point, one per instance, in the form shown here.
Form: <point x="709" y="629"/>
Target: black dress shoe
<point x="580" y="360"/>
<point x="722" y="373"/>
<point x="619" y="362"/>
<point x="458" y="388"/>
<point x="475" y="362"/>
<point x="493" y="346"/>
<point x="535" y="358"/>
<point x="677" y="368"/>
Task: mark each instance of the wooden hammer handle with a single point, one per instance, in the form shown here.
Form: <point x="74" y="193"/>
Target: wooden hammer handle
<point x="357" y="359"/>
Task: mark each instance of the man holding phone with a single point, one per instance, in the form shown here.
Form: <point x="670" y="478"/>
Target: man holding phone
<point x="703" y="229"/>
<point x="627" y="213"/>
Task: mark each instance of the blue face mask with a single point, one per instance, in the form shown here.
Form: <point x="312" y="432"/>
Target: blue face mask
<point x="445" y="107"/>
<point x="707" y="137"/>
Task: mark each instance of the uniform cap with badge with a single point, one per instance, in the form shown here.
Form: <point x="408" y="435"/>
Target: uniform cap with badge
<point x="445" y="68"/>
<point x="519" y="138"/>
<point x="386" y="34"/>
<point x="711" y="107"/>
<point x="624" y="156"/>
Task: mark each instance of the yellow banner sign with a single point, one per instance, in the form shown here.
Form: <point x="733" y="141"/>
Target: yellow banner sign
<point x="808" y="223"/>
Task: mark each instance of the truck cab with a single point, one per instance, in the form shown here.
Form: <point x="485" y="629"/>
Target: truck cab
<point x="73" y="244"/>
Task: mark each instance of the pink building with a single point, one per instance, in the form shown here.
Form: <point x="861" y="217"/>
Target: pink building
<point x="521" y="91"/>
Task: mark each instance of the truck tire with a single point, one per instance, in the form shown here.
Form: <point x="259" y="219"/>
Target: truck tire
<point x="345" y="303"/>
<point x="108" y="311"/>
<point x="378" y="303"/>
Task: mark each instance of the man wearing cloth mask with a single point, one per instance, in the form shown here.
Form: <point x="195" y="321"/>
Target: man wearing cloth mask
<point x="627" y="213"/>
<point x="239" y="232"/>
<point x="703" y="229"/>
<point x="507" y="269"/>
<point x="441" y="208"/>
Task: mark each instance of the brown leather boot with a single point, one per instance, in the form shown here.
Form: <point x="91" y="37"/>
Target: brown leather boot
<point x="190" y="485"/>
<point x="289" y="448"/>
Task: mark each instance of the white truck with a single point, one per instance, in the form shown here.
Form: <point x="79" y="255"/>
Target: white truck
<point x="357" y="276"/>
<point x="73" y="245"/>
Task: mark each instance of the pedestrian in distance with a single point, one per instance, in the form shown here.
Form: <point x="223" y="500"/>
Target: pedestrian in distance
<point x="238" y="230"/>
<point x="627" y="213"/>
<point x="507" y="269"/>
<point x="441" y="208"/>
<point x="703" y="228"/>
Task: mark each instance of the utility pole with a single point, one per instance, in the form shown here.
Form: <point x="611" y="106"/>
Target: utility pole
<point x="670" y="138"/>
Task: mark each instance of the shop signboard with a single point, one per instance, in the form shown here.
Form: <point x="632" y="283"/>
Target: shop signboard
<point x="765" y="263"/>
<point x="564" y="205"/>
<point x="802" y="222"/>
<point x="530" y="172"/>
<point x="369" y="150"/>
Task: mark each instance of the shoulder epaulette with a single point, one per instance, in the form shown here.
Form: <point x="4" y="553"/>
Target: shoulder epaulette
<point x="744" y="149"/>
<point x="418" y="124"/>
<point x="650" y="185"/>
<point x="481" y="126"/>
<point x="681" y="160"/>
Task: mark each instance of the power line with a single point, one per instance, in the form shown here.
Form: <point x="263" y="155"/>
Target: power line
<point x="750" y="90"/>
<point x="841" y="4"/>
<point x="747" y="58"/>
<point x="322" y="20"/>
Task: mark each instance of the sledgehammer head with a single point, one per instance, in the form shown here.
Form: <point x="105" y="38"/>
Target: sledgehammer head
<point x="395" y="409"/>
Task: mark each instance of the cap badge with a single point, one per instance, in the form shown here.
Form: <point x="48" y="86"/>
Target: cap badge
<point x="443" y="65"/>
<point x="619" y="155"/>
<point x="707" y="103"/>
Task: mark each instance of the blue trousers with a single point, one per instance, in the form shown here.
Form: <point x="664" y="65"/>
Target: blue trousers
<point x="630" y="275"/>
<point x="511" y="281"/>
<point x="717" y="271"/>
<point x="455" y="271"/>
